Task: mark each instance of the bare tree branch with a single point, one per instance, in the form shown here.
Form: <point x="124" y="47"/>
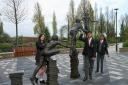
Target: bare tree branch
<point x="14" y="10"/>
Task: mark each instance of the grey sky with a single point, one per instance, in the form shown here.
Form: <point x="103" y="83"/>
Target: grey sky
<point x="61" y="8"/>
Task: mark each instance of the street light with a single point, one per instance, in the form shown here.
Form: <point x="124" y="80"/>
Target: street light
<point x="116" y="30"/>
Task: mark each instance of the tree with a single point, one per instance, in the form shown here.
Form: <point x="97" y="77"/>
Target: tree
<point x="107" y="20"/>
<point x="63" y="31"/>
<point x="38" y="19"/>
<point x="102" y="22"/>
<point x="122" y="30"/>
<point x="126" y="34"/>
<point x="47" y="34"/>
<point x="71" y="14"/>
<point x="5" y="38"/>
<point x="15" y="12"/>
<point x="54" y="24"/>
<point x="1" y="28"/>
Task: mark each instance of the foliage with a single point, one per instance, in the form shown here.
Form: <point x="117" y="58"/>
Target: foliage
<point x="125" y="34"/>
<point x="71" y="13"/>
<point x="63" y="31"/>
<point x="38" y="19"/>
<point x="1" y="28"/>
<point x="6" y="47"/>
<point x="125" y="44"/>
<point x="80" y="44"/>
<point x="54" y="24"/>
<point x="47" y="34"/>
<point x="4" y="38"/>
<point x="15" y="12"/>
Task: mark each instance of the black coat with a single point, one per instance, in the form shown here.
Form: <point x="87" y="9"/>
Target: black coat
<point x="89" y="50"/>
<point x="39" y="46"/>
<point x="104" y="47"/>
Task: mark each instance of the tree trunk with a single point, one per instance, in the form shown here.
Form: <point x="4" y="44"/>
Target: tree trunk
<point x="74" y="65"/>
<point x="16" y="35"/>
<point x="74" y="61"/>
<point x="16" y="24"/>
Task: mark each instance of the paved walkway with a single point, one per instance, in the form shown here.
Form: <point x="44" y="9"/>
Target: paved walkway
<point x="115" y="70"/>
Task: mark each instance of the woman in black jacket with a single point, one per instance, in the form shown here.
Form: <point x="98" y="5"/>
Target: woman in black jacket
<point x="40" y="45"/>
<point x="102" y="49"/>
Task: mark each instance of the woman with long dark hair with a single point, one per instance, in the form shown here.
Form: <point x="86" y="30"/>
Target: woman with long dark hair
<point x="102" y="49"/>
<point x="40" y="45"/>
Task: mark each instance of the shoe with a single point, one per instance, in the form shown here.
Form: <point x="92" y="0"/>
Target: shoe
<point x="36" y="80"/>
<point x="85" y="79"/>
<point x="32" y="81"/>
<point x="42" y="82"/>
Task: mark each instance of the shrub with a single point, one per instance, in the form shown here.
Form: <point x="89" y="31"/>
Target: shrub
<point x="125" y="44"/>
<point x="6" y="47"/>
<point x="79" y="44"/>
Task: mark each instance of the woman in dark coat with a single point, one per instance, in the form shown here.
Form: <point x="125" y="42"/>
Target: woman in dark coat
<point x="40" y="45"/>
<point x="102" y="49"/>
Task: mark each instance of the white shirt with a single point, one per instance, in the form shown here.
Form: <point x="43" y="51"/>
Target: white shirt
<point x="89" y="41"/>
<point x="101" y="41"/>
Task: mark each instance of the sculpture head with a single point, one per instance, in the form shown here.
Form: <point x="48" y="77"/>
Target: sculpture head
<point x="55" y="38"/>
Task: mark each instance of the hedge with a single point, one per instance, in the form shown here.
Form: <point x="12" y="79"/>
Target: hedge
<point x="125" y="44"/>
<point x="5" y="47"/>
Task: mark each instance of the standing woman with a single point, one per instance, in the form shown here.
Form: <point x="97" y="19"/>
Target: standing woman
<point x="102" y="49"/>
<point x="40" y="45"/>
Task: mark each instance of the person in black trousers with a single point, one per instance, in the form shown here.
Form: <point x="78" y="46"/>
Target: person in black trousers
<point x="40" y="45"/>
<point x="101" y="51"/>
<point x="89" y="53"/>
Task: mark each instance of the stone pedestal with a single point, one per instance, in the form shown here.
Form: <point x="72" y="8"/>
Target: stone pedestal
<point x="52" y="73"/>
<point x="16" y="78"/>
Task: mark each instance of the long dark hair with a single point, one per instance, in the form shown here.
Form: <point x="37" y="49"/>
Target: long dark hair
<point x="104" y="37"/>
<point x="40" y="37"/>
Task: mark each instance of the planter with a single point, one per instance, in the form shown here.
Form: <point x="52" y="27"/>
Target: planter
<point x="125" y="49"/>
<point x="6" y="55"/>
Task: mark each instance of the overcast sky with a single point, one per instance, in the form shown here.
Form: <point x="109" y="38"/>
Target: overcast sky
<point x="61" y="8"/>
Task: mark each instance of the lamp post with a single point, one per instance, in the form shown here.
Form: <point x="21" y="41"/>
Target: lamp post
<point x="116" y="30"/>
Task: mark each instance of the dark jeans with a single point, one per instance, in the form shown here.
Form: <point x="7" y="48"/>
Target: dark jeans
<point x="100" y="59"/>
<point x="89" y="63"/>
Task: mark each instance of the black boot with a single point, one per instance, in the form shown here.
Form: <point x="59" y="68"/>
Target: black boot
<point x="96" y="71"/>
<point x="36" y="80"/>
<point x="43" y="82"/>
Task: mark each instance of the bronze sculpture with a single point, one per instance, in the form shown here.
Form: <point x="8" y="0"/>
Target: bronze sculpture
<point x="48" y="51"/>
<point x="73" y="51"/>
